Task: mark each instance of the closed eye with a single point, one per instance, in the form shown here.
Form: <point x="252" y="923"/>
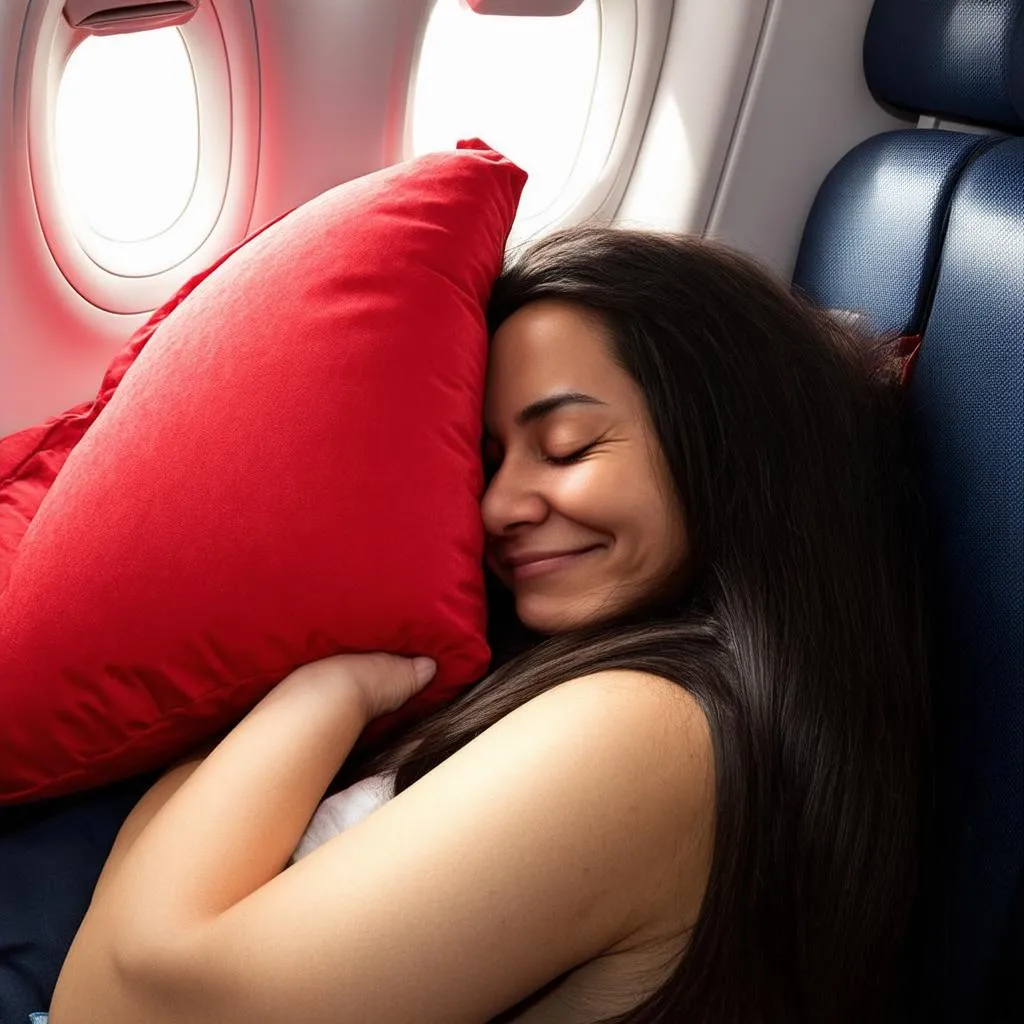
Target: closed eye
<point x="572" y="457"/>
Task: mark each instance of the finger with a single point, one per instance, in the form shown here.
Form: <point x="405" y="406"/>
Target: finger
<point x="412" y="675"/>
<point x="424" y="670"/>
<point x="395" y="680"/>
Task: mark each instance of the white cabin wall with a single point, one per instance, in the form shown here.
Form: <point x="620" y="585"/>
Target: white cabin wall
<point x="807" y="105"/>
<point x="757" y="101"/>
<point x="708" y="61"/>
<point x="334" y="95"/>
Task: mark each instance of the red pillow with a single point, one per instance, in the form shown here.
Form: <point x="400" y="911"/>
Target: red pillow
<point x="281" y="465"/>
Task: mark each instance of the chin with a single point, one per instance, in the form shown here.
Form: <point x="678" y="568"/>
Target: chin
<point x="550" y="617"/>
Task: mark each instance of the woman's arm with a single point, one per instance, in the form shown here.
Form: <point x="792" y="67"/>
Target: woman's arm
<point x="360" y="688"/>
<point x="543" y="843"/>
<point x="145" y="810"/>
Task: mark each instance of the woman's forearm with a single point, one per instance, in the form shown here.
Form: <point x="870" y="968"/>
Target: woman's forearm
<point x="233" y="825"/>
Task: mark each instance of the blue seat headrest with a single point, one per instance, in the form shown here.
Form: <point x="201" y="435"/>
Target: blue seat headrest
<point x="959" y="59"/>
<point x="875" y="232"/>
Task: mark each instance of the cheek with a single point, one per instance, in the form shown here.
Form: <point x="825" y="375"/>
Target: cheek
<point x="600" y="494"/>
<point x="650" y="525"/>
<point x="635" y="513"/>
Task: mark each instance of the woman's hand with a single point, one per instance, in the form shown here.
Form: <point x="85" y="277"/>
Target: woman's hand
<point x="381" y="683"/>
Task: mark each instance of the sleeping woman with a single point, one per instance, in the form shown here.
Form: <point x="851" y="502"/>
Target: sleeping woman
<point x="689" y="790"/>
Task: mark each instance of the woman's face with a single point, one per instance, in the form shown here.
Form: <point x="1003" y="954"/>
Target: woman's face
<point x="581" y="515"/>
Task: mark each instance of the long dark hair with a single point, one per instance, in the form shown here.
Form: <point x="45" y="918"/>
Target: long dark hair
<point x="801" y="632"/>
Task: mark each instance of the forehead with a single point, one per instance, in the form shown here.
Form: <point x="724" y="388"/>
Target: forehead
<point x="551" y="346"/>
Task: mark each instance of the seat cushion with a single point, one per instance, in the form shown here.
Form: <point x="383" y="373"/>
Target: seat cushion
<point x="967" y="403"/>
<point x="282" y="465"/>
<point x="875" y="231"/>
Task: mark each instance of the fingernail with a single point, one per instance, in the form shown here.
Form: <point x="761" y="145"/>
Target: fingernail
<point x="424" y="668"/>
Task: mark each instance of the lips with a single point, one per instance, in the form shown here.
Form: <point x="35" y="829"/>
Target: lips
<point x="526" y="565"/>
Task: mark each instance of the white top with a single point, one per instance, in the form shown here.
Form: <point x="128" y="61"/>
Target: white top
<point x="345" y="809"/>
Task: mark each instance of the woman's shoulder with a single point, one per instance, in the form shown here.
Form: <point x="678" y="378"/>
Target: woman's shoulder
<point x="648" y="714"/>
<point x="631" y="731"/>
<point x="627" y="756"/>
<point x="633" y="685"/>
<point x="619" y="748"/>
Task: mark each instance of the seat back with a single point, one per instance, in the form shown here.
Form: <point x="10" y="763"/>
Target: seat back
<point x="923" y="232"/>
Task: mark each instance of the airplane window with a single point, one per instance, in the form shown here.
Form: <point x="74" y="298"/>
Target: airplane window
<point x="126" y="133"/>
<point x="523" y="84"/>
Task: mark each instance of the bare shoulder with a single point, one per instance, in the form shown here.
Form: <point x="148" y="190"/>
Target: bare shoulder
<point x="623" y="754"/>
<point x="629" y="688"/>
<point x="627" y="728"/>
<point x="646" y="731"/>
<point x="657" y="725"/>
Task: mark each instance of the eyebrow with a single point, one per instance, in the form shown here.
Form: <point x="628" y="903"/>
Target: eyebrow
<point x="545" y="406"/>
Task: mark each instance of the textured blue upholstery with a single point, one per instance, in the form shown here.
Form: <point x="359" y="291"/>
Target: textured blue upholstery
<point x="923" y="231"/>
<point x="967" y="401"/>
<point x="873" y="236"/>
<point x="963" y="59"/>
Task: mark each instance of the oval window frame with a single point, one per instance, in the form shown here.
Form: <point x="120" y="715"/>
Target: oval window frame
<point x="105" y="248"/>
<point x="135" y="277"/>
<point x="631" y="49"/>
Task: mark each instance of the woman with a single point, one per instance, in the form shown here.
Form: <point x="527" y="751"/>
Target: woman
<point x="694" y="792"/>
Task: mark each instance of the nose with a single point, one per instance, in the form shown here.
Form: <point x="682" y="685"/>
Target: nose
<point x="512" y="499"/>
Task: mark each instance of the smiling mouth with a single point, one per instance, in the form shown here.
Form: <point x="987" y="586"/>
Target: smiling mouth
<point x="551" y="563"/>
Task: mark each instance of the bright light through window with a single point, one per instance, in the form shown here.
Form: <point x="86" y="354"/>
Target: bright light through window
<point x="127" y="133"/>
<point x="523" y="85"/>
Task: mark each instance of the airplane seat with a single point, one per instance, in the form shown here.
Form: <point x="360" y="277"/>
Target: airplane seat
<point x="921" y="231"/>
